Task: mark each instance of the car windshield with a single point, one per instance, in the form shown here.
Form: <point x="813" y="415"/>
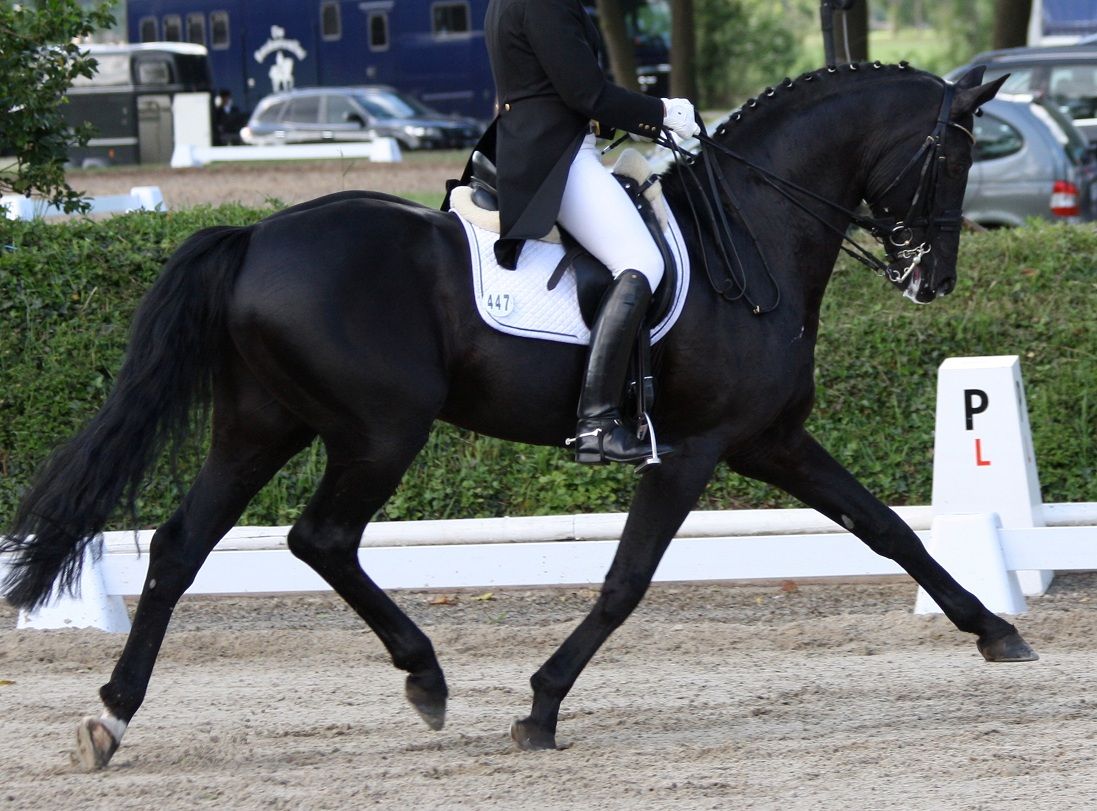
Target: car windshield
<point x="390" y="105"/>
<point x="1074" y="143"/>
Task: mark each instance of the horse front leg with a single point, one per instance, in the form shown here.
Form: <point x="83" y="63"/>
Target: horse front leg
<point x="803" y="468"/>
<point x="661" y="503"/>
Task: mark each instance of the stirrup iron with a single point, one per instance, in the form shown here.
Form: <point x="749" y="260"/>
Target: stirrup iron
<point x="653" y="460"/>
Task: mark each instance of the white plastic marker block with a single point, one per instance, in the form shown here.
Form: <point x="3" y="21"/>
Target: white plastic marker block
<point x="93" y="607"/>
<point x="148" y="198"/>
<point x="190" y="113"/>
<point x="983" y="460"/>
<point x="968" y="546"/>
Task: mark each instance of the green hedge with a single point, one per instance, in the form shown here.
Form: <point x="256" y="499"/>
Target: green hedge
<point x="67" y="292"/>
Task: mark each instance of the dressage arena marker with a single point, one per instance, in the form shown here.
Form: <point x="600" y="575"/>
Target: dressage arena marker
<point x="982" y="542"/>
<point x="983" y="459"/>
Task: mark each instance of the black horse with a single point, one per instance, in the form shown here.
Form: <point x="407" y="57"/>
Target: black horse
<point x="352" y="318"/>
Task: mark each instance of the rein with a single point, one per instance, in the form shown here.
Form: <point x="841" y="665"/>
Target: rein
<point x="895" y="235"/>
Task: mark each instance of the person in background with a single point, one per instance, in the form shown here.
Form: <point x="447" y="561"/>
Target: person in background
<point x="554" y="101"/>
<point x="226" y="119"/>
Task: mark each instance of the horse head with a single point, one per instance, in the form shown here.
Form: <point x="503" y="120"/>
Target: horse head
<point x="919" y="207"/>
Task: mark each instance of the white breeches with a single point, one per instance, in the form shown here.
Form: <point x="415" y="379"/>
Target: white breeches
<point x="598" y="213"/>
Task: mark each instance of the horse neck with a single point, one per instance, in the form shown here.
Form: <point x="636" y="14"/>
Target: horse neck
<point x="825" y="135"/>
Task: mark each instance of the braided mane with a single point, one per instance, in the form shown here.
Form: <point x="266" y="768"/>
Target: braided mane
<point x="823" y="74"/>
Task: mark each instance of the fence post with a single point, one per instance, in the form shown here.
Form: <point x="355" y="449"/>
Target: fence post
<point x="92" y="607"/>
<point x="968" y="546"/>
<point x="983" y="459"/>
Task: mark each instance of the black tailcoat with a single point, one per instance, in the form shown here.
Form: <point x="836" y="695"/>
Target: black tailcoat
<point x="550" y="88"/>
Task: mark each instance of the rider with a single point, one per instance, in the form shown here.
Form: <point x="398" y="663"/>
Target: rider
<point x="554" y="99"/>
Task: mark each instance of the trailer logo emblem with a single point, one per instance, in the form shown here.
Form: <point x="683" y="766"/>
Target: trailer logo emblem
<point x="281" y="72"/>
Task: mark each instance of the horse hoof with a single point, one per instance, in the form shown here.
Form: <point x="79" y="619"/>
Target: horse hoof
<point x="531" y="737"/>
<point x="427" y="695"/>
<point x="96" y="743"/>
<point x="1008" y="648"/>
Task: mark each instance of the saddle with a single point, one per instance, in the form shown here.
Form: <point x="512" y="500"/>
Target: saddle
<point x="478" y="203"/>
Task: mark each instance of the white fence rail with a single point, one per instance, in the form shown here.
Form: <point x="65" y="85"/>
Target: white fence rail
<point x="576" y="550"/>
<point x="140" y="198"/>
<point x="379" y="150"/>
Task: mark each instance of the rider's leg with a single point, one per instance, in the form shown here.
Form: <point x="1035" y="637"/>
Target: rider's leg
<point x="598" y="213"/>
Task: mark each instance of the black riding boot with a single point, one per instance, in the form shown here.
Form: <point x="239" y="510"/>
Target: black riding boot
<point x="600" y="436"/>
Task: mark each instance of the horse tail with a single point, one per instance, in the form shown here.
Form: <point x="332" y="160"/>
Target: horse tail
<point x="178" y="334"/>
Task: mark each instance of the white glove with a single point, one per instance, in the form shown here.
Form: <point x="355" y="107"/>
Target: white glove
<point x="679" y="117"/>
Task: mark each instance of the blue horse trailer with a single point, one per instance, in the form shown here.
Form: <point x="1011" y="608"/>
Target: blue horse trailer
<point x="432" y="49"/>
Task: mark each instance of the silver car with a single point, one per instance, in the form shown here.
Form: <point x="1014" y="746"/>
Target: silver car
<point x="1030" y="161"/>
<point x="1064" y="74"/>
<point x="331" y="114"/>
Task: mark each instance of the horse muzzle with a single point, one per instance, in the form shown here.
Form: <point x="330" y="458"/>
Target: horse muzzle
<point x="923" y="286"/>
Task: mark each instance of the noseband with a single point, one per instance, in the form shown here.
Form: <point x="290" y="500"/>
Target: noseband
<point x="895" y="235"/>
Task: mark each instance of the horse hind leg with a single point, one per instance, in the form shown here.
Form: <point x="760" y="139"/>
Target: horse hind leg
<point x="360" y="478"/>
<point x="249" y="446"/>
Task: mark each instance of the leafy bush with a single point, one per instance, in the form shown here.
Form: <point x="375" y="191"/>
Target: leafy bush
<point x="67" y="292"/>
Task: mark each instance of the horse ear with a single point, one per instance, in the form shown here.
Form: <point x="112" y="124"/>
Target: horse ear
<point x="970" y="94"/>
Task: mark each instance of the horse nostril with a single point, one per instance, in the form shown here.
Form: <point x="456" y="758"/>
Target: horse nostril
<point x="946" y="287"/>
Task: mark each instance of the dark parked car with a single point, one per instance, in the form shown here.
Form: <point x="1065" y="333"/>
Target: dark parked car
<point x="1030" y="161"/>
<point x="1064" y="74"/>
<point x="329" y="114"/>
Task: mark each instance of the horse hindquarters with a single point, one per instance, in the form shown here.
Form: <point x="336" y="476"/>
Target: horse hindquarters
<point x="344" y="331"/>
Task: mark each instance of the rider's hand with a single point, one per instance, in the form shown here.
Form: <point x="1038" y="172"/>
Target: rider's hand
<point x="679" y="117"/>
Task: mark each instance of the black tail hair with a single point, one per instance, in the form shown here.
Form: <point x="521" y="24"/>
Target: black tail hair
<point x="177" y="336"/>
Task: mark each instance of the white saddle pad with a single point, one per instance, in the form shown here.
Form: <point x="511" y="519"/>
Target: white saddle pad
<point x="518" y="302"/>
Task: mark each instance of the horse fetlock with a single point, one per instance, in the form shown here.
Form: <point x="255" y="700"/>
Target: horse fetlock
<point x="97" y="740"/>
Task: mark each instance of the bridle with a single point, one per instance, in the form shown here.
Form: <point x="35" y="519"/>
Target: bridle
<point x="896" y="236"/>
<point x="900" y="233"/>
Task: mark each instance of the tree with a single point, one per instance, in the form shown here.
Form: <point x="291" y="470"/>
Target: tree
<point x="683" y="50"/>
<point x="39" y="61"/>
<point x="742" y="46"/>
<point x="1011" y="22"/>
<point x="622" y="59"/>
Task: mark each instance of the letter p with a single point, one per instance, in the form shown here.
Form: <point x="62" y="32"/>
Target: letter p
<point x="975" y="402"/>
